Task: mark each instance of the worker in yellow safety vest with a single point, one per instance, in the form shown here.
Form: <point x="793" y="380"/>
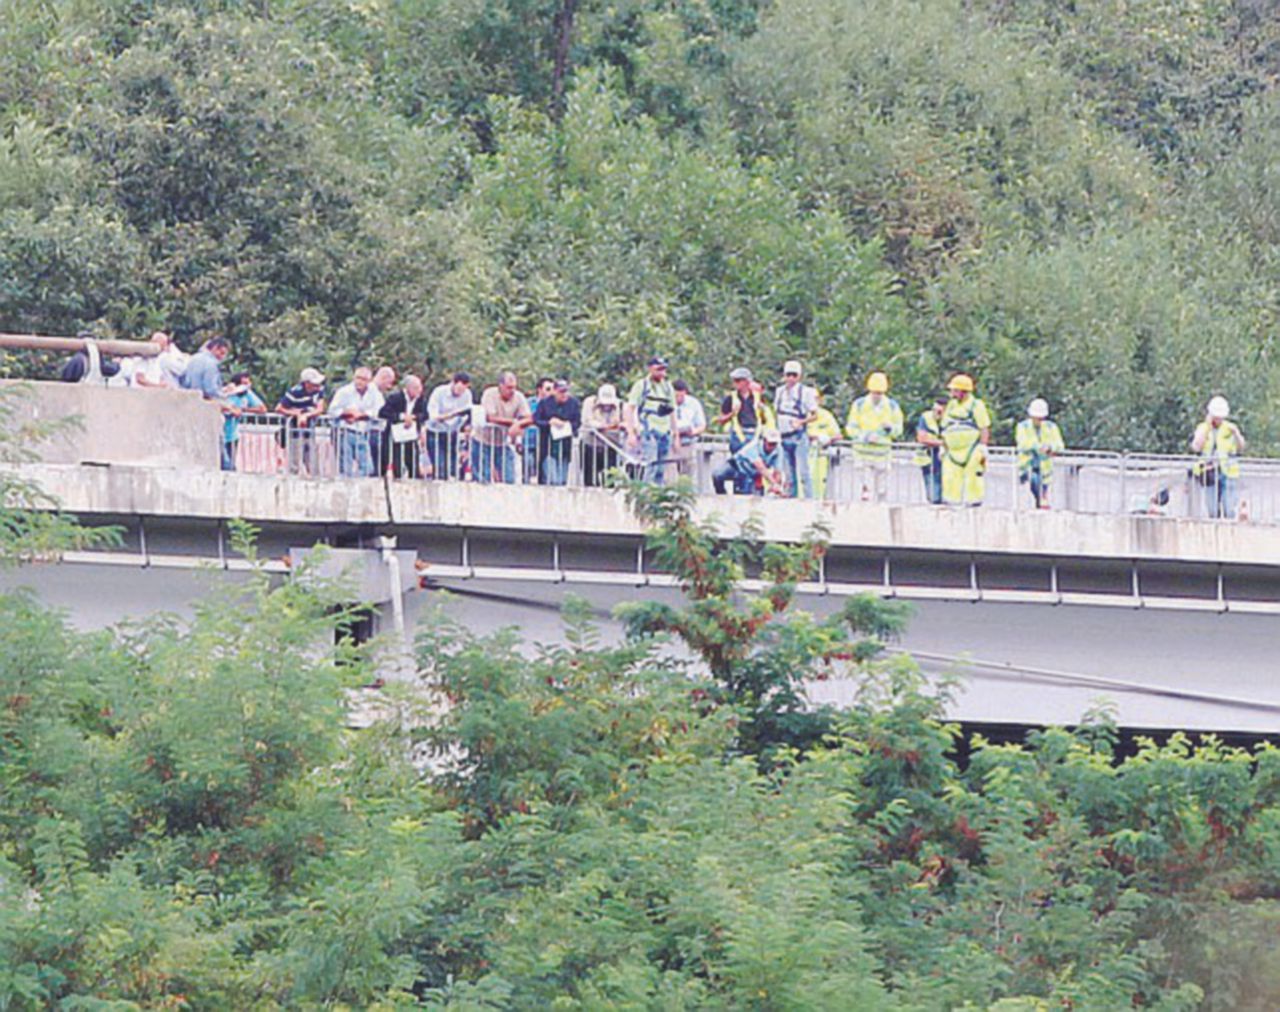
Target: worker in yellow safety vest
<point x="824" y="430"/>
<point x="1038" y="439"/>
<point x="874" y="422"/>
<point x="1219" y="443"/>
<point x="966" y="431"/>
<point x="929" y="449"/>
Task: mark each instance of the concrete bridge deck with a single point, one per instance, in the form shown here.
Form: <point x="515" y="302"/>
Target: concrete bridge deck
<point x="1172" y="619"/>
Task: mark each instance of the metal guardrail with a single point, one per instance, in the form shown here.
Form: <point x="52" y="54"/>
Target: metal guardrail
<point x="1084" y="481"/>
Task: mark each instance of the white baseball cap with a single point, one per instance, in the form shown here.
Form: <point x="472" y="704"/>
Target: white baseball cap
<point x="792" y="366"/>
<point x="314" y="376"/>
<point x="607" y="394"/>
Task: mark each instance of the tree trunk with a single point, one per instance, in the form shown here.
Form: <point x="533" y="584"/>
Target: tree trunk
<point x="564" y="40"/>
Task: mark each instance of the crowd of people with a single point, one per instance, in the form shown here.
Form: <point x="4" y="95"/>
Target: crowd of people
<point x="778" y="445"/>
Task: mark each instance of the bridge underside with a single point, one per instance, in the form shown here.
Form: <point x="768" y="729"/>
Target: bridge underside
<point x="1019" y="663"/>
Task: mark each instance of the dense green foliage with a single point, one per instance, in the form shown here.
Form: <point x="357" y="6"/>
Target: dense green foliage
<point x="186" y="821"/>
<point x="1076" y="201"/>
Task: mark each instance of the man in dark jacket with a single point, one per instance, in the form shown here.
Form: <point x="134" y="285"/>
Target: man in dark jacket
<point x="557" y="419"/>
<point x="404" y="413"/>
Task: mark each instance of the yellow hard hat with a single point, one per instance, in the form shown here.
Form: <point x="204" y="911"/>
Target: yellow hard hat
<point x="878" y="383"/>
<point x="961" y="381"/>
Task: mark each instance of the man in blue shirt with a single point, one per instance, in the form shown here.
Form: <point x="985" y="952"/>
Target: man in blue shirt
<point x="204" y="371"/>
<point x="754" y="465"/>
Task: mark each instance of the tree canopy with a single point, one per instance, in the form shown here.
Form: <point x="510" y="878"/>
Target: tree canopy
<point x="187" y="821"/>
<point x="1075" y="202"/>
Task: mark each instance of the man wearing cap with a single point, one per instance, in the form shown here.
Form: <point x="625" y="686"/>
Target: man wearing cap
<point x="966" y="431"/>
<point x="795" y="405"/>
<point x="754" y="464"/>
<point x="743" y="413"/>
<point x="507" y="415"/>
<point x="602" y="434"/>
<point x="302" y="405"/>
<point x="648" y="416"/>
<point x="448" y="414"/>
<point x="691" y="422"/>
<point x="1219" y="443"/>
<point x="558" y="419"/>
<point x="875" y="421"/>
<point x="352" y="408"/>
<point x="1037" y="439"/>
<point x="929" y="447"/>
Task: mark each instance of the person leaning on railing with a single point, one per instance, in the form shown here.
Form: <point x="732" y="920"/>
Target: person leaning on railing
<point x="238" y="394"/>
<point x="929" y="447"/>
<point x="966" y="431"/>
<point x="558" y="418"/>
<point x="507" y="414"/>
<point x="404" y="413"/>
<point x="353" y="407"/>
<point x="602" y="434"/>
<point x="875" y="421"/>
<point x="1219" y="443"/>
<point x="690" y="423"/>
<point x="743" y="413"/>
<point x="824" y="430"/>
<point x="301" y="405"/>
<point x="448" y="414"/>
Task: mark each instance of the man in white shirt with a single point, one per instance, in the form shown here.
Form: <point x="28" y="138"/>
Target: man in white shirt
<point x="796" y="405"/>
<point x="690" y="423"/>
<point x="351" y="409"/>
<point x="162" y="371"/>
<point x="448" y="414"/>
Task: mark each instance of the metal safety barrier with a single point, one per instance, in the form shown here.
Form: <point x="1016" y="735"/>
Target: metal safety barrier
<point x="1083" y="481"/>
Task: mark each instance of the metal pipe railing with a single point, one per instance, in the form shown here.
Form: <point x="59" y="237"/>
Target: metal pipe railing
<point x="1083" y="481"/>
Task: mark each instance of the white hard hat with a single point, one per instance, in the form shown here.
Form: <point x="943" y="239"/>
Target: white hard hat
<point x="1039" y="408"/>
<point x="792" y="366"/>
<point x="771" y="435"/>
<point x="1218" y="407"/>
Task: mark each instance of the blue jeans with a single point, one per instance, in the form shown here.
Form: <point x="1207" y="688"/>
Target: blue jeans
<point x="1222" y="498"/>
<point x="355" y="460"/>
<point x="443" y="448"/>
<point x="932" y="474"/>
<point x="555" y="469"/>
<point x="743" y="484"/>
<point x="229" y="454"/>
<point x="795" y="463"/>
<point x="742" y="479"/>
<point x="657" y="448"/>
<point x="489" y="458"/>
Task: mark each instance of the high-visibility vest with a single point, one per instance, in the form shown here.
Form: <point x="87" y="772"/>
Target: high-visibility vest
<point x="764" y="414"/>
<point x="961" y="429"/>
<point x="867" y="423"/>
<point x="824" y="426"/>
<point x="931" y="423"/>
<point x="1220" y="446"/>
<point x="1035" y="441"/>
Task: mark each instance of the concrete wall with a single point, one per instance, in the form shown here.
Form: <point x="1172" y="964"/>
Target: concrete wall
<point x="209" y="493"/>
<point x="151" y="428"/>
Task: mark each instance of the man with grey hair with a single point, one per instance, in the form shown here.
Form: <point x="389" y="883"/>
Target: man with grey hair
<point x="405" y="413"/>
<point x="352" y="408"/>
<point x="506" y="416"/>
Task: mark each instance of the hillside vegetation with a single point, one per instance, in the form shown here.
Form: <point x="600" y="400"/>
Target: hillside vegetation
<point x="1075" y="201"/>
